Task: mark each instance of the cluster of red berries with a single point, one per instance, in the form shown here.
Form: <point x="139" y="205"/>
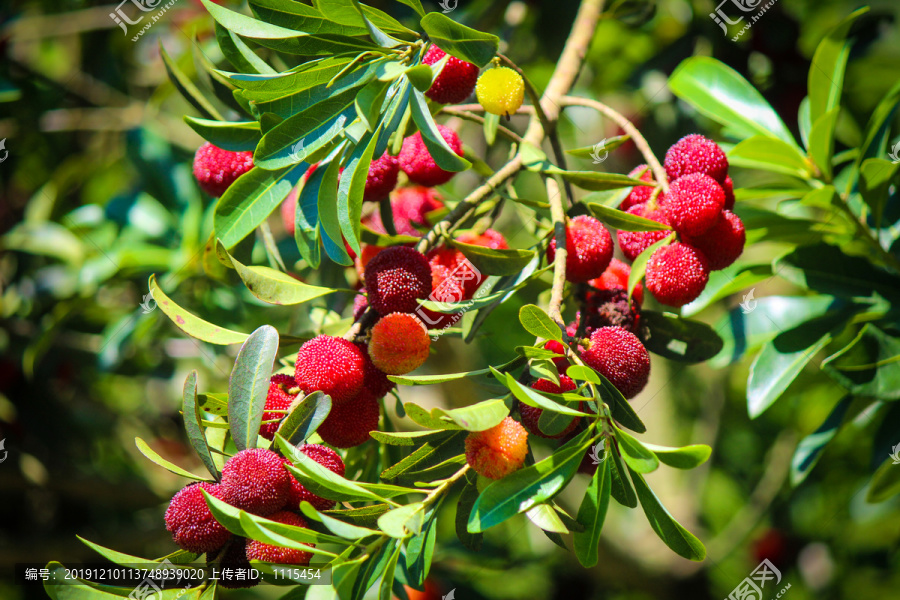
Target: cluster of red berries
<point x="699" y="208"/>
<point x="255" y="480"/>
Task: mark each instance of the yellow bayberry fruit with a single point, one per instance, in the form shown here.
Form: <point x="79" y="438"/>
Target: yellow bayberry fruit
<point x="500" y="91"/>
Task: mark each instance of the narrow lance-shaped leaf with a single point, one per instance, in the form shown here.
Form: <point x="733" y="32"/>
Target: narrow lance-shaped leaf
<point x="670" y="531"/>
<point x="591" y="515"/>
<point x="191" y="324"/>
<point x="191" y="413"/>
<point x="249" y="385"/>
<point x="460" y="41"/>
<point x="440" y="151"/>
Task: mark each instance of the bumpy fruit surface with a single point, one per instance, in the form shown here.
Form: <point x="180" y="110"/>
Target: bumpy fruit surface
<point x="374" y="379"/>
<point x="633" y="243"/>
<point x="500" y="91"/>
<point x="190" y="522"/>
<point x="257" y="550"/>
<point x="410" y="205"/>
<point x="605" y="308"/>
<point x="531" y="415"/>
<point x="489" y="239"/>
<point x="589" y="249"/>
<point x="382" y="178"/>
<point x="561" y="362"/>
<point x="331" y="365"/>
<point x="723" y="243"/>
<point x="255" y="479"/>
<point x="349" y="424"/>
<point x="676" y="274"/>
<point x="417" y="162"/>
<point x="399" y="343"/>
<point x="456" y="80"/>
<point x="326" y="457"/>
<point x="216" y="169"/>
<point x="278" y="399"/>
<point x="397" y="279"/>
<point x="696" y="154"/>
<point x="640" y="193"/>
<point x="619" y="356"/>
<point x="694" y="203"/>
<point x="498" y="451"/>
<point x="615" y="277"/>
<point x="728" y="188"/>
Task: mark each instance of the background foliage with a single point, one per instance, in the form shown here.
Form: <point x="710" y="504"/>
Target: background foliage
<point x="97" y="195"/>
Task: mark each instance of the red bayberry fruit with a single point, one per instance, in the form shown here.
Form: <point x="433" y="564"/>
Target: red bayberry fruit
<point x="589" y="249"/>
<point x="326" y="457"/>
<point x="257" y="550"/>
<point x="619" y="355"/>
<point x="723" y="243"/>
<point x="635" y="242"/>
<point x="456" y="80"/>
<point x="676" y="274"/>
<point x="615" y="277"/>
<point x="417" y="163"/>
<point x="382" y="178"/>
<point x="349" y="424"/>
<point x="410" y="205"/>
<point x="399" y="343"/>
<point x="562" y="363"/>
<point x="331" y="365"/>
<point x="498" y="451"/>
<point x="190" y="522"/>
<point x="256" y="481"/>
<point x="278" y="399"/>
<point x="696" y="154"/>
<point x="694" y="203"/>
<point x="531" y="414"/>
<point x="489" y="239"/>
<point x="728" y="188"/>
<point x="639" y="194"/>
<point x="374" y="379"/>
<point x="216" y="169"/>
<point x="397" y="279"/>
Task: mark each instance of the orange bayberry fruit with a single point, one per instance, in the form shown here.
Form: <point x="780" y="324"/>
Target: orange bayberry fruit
<point x="399" y="343"/>
<point x="498" y="451"/>
<point x="500" y="91"/>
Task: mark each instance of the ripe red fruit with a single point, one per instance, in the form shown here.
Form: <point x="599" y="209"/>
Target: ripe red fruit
<point x="374" y="379"/>
<point x="255" y="480"/>
<point x="399" y="343"/>
<point x="615" y="277"/>
<point x="498" y="451"/>
<point x="410" y="206"/>
<point x="235" y="559"/>
<point x="562" y="363"/>
<point x="278" y="399"/>
<point x="694" y="203"/>
<point x="639" y="194"/>
<point x="696" y="154"/>
<point x="349" y="424"/>
<point x="619" y="355"/>
<point x="489" y="239"/>
<point x="257" y="550"/>
<point x="728" y="188"/>
<point x="417" y="163"/>
<point x="190" y="522"/>
<point x="397" y="279"/>
<point x="635" y="242"/>
<point x="216" y="169"/>
<point x="326" y="457"/>
<point x="676" y="274"/>
<point x="331" y="365"/>
<point x="589" y="249"/>
<point x="723" y="243"/>
<point x="382" y="178"/>
<point x="456" y="80"/>
<point x="531" y="415"/>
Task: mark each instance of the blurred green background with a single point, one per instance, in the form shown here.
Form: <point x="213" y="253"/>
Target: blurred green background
<point x="96" y="194"/>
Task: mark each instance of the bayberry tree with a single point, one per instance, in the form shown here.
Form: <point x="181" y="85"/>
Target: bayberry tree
<point x="350" y="104"/>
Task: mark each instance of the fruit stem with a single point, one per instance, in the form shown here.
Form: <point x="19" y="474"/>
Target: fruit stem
<point x="558" y="213"/>
<point x="470" y="116"/>
<point x="436" y="492"/>
<point x="628" y="127"/>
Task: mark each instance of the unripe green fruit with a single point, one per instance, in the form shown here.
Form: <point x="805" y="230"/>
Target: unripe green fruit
<point x="500" y="91"/>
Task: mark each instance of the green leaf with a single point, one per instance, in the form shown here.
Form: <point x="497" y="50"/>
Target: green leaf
<point x="369" y="101"/>
<point x="460" y="41"/>
<point x="591" y="515"/>
<point x="432" y="379"/>
<point x="677" y="338"/>
<point x="437" y="448"/>
<point x="769" y="154"/>
<point x="147" y="451"/>
<point x="869" y="365"/>
<point x="545" y="517"/>
<point x="520" y="491"/>
<point x="416" y="5"/>
<point x="876" y="176"/>
<point x="821" y="142"/>
<point x="272" y="286"/>
<point x="877" y="129"/>
<point x="635" y="454"/>
<point x="239" y="136"/>
<point x="467" y="499"/>
<point x="826" y="72"/>
<point x="537" y="399"/>
<point x="476" y="417"/>
<point x="192" y="424"/>
<point x="247" y="26"/>
<point x="239" y="54"/>
<point x="731" y="280"/>
<point x="187" y="88"/>
<point x="620" y="485"/>
<point x="251" y="199"/>
<point x="686" y="457"/>
<point x="307" y="232"/>
<point x="248" y="385"/>
<point x="351" y="187"/>
<point x="885" y="482"/>
<point x="639" y="266"/>
<point x="676" y="537"/>
<point x="594" y="181"/>
<point x="624" y="221"/>
<point x="722" y="94"/>
<point x="305" y="418"/>
<point x="491" y="124"/>
<point x="828" y="269"/>
<point x="490" y="261"/>
<point x="341" y="528"/>
<point x="810" y="448"/>
<point x="328" y="214"/>
<point x="437" y="146"/>
<point x="402" y="522"/>
<point x="113" y="556"/>
<point x="539" y="324"/>
<point x="606" y="145"/>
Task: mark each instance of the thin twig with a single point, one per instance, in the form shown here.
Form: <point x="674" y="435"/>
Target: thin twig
<point x="558" y="213"/>
<point x="469" y="116"/>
